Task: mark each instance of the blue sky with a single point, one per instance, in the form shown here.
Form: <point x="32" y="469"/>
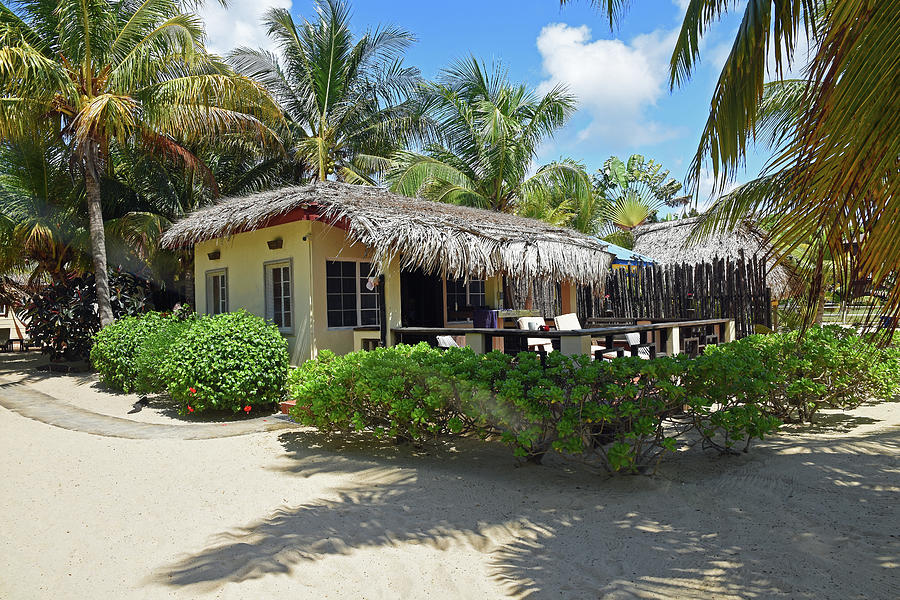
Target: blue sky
<point x="620" y="77"/>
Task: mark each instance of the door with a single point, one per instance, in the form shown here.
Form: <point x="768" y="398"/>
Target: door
<point x="421" y="299"/>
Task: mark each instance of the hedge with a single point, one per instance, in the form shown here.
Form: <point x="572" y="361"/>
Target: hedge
<point x="624" y="414"/>
<point x="235" y="361"/>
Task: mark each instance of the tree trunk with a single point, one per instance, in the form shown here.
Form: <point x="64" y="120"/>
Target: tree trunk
<point x="820" y="306"/>
<point x="98" y="247"/>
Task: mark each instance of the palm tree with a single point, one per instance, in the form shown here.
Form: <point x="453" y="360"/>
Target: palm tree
<point x="346" y="100"/>
<point x="490" y="130"/>
<point x="634" y="192"/>
<point x="43" y="230"/>
<point x="109" y="74"/>
<point x="835" y="176"/>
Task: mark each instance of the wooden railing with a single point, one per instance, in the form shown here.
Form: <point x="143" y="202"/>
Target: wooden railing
<point x="576" y="341"/>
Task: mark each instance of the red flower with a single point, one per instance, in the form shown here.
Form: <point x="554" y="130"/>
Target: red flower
<point x="192" y="390"/>
<point x="190" y="409"/>
<point x="247" y="409"/>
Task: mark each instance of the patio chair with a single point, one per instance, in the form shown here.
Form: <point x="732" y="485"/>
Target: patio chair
<point x="5" y="342"/>
<point x="645" y="351"/>
<point x="534" y="323"/>
<point x="569" y="321"/>
<point x="446" y="341"/>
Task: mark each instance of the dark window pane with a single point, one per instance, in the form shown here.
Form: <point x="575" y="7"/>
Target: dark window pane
<point x="349" y="286"/>
<point x="334" y="285"/>
<point x="369" y="317"/>
<point x="364" y="269"/>
<point x="332" y="268"/>
<point x="369" y="301"/>
<point x="348" y="269"/>
<point x="349" y="317"/>
<point x="334" y="302"/>
<point x="334" y="318"/>
<point x="349" y="301"/>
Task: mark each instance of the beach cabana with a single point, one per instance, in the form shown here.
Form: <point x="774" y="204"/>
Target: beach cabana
<point x="669" y="243"/>
<point x="336" y="265"/>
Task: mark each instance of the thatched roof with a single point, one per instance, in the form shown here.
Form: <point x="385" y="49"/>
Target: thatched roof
<point x="668" y="243"/>
<point x="13" y="289"/>
<point x="460" y="241"/>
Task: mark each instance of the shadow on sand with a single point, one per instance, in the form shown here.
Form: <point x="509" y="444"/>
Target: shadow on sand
<point x="773" y="523"/>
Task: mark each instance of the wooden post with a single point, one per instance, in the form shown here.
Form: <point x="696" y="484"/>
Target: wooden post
<point x="568" y="297"/>
<point x="673" y="341"/>
<point x="730" y="331"/>
<point x="571" y="345"/>
<point x="392" y="300"/>
<point x="477" y="342"/>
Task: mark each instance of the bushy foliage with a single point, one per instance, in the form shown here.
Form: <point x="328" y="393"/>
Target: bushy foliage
<point x="62" y="317"/>
<point x="624" y="415"/>
<point x="116" y="348"/>
<point x="154" y="353"/>
<point x="233" y="361"/>
<point x="795" y="376"/>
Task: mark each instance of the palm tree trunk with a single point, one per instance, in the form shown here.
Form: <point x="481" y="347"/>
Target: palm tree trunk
<point x="820" y="306"/>
<point x="98" y="247"/>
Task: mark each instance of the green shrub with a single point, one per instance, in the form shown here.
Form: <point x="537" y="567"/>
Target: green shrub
<point x="404" y="392"/>
<point x="154" y="353"/>
<point x="624" y="414"/>
<point x="116" y="347"/>
<point x="227" y="362"/>
<point x="796" y="376"/>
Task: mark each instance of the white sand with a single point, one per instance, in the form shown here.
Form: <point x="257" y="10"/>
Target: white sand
<point x="294" y="515"/>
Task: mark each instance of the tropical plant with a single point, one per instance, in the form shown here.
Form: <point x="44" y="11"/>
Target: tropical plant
<point x="489" y="131"/>
<point x="115" y="348"/>
<point x="625" y="414"/>
<point x="106" y="74"/>
<point x="234" y="361"/>
<point x="835" y="173"/>
<point x="634" y="191"/>
<point x="43" y="230"/>
<point x="62" y="316"/>
<point x="345" y="98"/>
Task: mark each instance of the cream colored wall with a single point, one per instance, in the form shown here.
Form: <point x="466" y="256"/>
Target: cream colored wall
<point x="244" y="256"/>
<point x="308" y="245"/>
<point x="330" y="243"/>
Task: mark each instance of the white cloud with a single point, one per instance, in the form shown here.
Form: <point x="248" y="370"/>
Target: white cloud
<point x="615" y="81"/>
<point x="705" y="197"/>
<point x="238" y="25"/>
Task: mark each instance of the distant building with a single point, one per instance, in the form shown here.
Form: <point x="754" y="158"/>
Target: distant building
<point x="668" y="243"/>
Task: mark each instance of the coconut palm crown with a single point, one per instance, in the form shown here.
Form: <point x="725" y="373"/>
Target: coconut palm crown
<point x="490" y="130"/>
<point x="346" y="98"/>
<point x="98" y="74"/>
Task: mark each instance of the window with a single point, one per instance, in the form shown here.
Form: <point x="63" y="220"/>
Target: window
<point x="350" y="302"/>
<point x="279" y="304"/>
<point x="216" y="292"/>
<point x="462" y="297"/>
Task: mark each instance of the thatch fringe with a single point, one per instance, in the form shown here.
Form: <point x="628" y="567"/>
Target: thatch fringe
<point x="669" y="243"/>
<point x="458" y="241"/>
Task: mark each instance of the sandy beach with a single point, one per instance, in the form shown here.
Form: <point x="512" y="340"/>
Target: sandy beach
<point x="811" y="513"/>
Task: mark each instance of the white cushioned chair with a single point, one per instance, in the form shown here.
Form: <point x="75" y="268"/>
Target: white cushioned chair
<point x="533" y="323"/>
<point x="446" y="341"/>
<point x="569" y="321"/>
